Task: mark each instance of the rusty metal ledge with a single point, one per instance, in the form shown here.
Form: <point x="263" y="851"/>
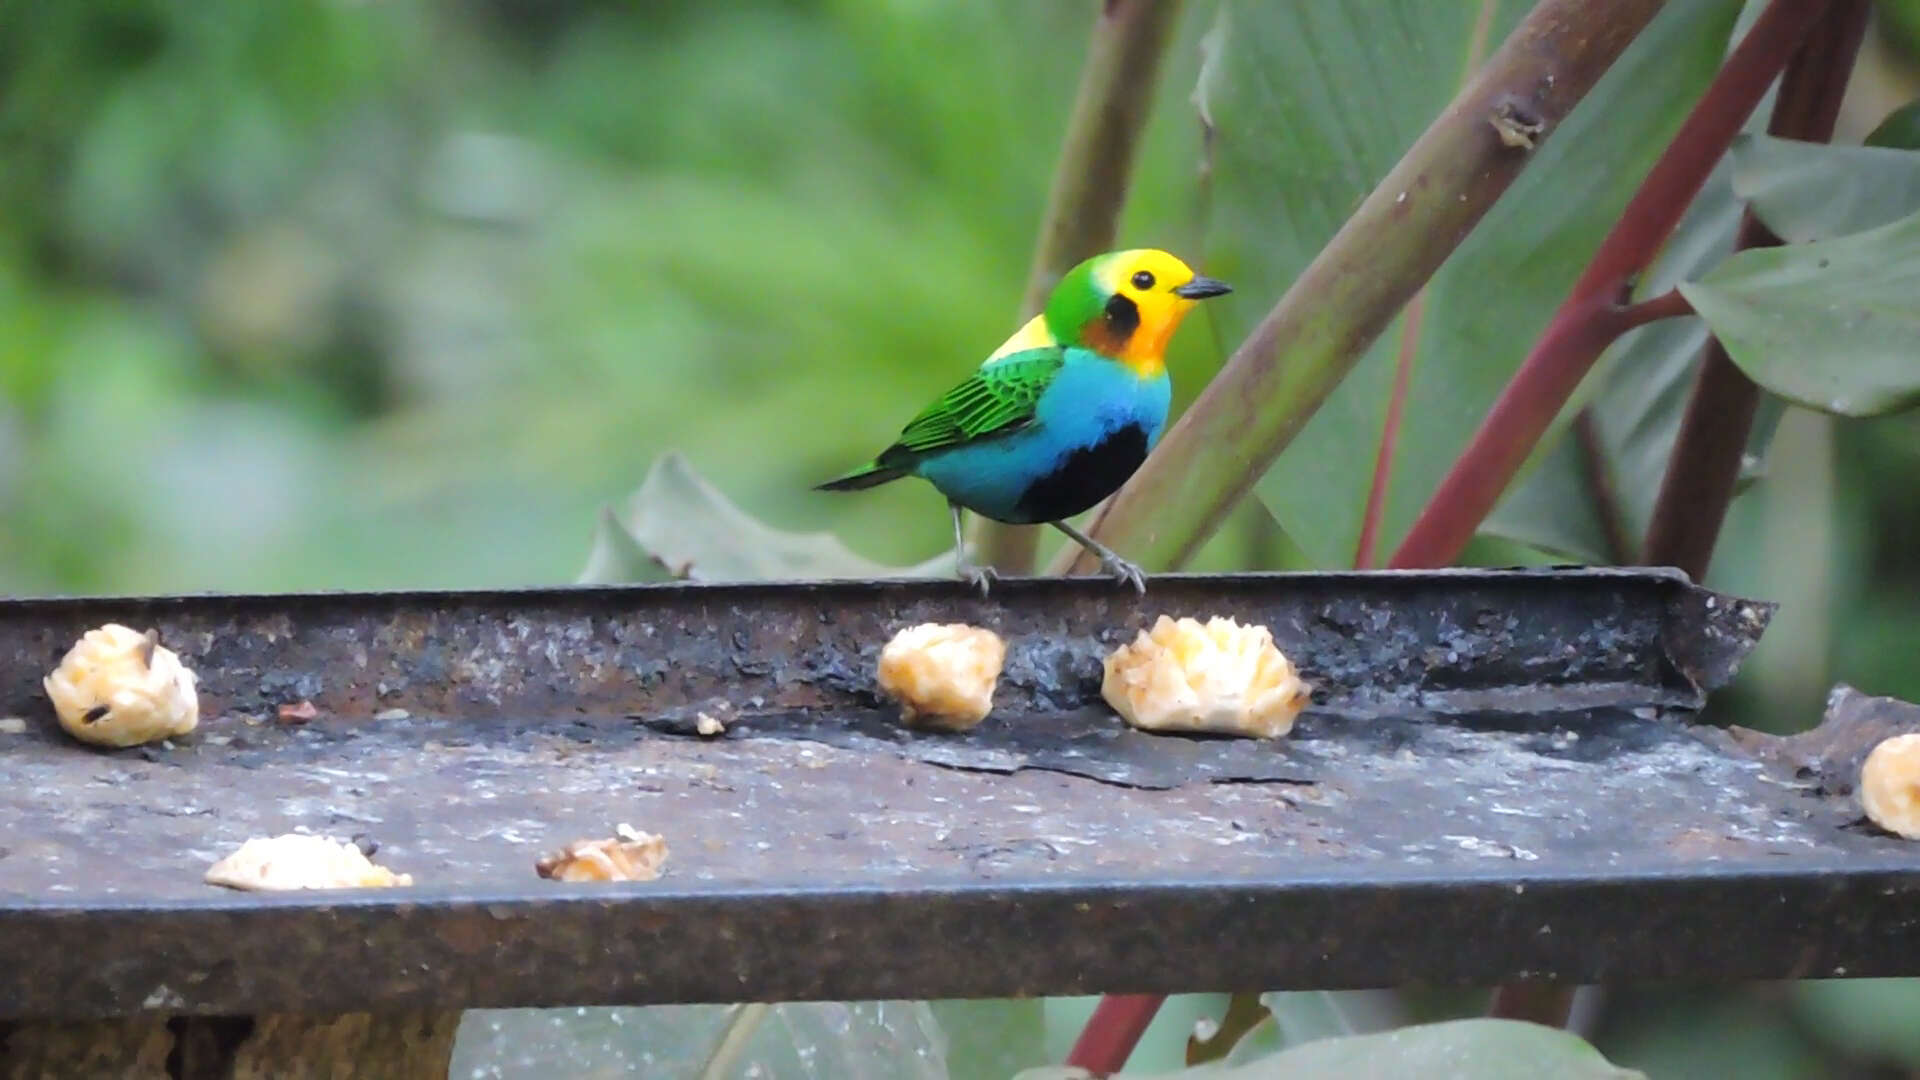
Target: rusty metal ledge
<point x="1498" y="778"/>
<point x="634" y="946"/>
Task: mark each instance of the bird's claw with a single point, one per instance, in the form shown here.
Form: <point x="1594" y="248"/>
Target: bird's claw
<point x="1124" y="572"/>
<point x="979" y="577"/>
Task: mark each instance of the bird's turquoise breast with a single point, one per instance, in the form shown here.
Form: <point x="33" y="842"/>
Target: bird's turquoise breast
<point x="1091" y="429"/>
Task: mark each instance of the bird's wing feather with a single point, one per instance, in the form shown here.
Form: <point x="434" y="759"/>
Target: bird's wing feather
<point x="996" y="399"/>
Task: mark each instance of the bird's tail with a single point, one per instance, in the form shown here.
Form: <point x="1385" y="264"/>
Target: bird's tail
<point x="864" y="477"/>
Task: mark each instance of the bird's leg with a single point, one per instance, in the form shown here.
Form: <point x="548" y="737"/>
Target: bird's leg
<point x="1123" y="571"/>
<point x="980" y="577"/>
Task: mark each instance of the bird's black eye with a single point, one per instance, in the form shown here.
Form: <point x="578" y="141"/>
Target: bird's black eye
<point x="1143" y="280"/>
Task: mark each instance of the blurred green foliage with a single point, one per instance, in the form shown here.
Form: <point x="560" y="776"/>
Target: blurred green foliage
<point x="369" y="294"/>
<point x="364" y="293"/>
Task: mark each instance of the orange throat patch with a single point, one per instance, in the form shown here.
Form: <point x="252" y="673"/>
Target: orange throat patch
<point x="1143" y="351"/>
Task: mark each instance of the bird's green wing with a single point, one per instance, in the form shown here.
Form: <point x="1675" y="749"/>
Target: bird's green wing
<point x="998" y="398"/>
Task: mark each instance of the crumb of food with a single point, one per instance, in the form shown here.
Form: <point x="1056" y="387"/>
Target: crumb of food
<point x="1890" y="785"/>
<point x="1216" y="676"/>
<point x="942" y="674"/>
<point x="629" y="855"/>
<point x="299" y="861"/>
<point x="391" y="714"/>
<point x="118" y="687"/>
<point x="708" y="725"/>
<point x="296" y="714"/>
<point x="13" y="725"/>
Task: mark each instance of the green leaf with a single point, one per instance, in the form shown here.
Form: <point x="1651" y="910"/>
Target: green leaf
<point x="1829" y="325"/>
<point x="1869" y="1018"/>
<point x="1311" y="104"/>
<point x="1467" y="1049"/>
<point x="677" y="525"/>
<point x="993" y="1037"/>
<point x="1900" y="130"/>
<point x="1813" y="191"/>
<point x="616" y="558"/>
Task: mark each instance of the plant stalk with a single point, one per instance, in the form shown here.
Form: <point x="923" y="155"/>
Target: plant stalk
<point x="1112" y="1031"/>
<point x="1380" y="259"/>
<point x="1713" y="435"/>
<point x="1351" y="291"/>
<point x="1090" y="185"/>
<point x="1588" y="320"/>
<point x="1705" y="463"/>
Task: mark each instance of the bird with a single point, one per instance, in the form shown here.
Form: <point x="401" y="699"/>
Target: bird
<point x="1059" y="416"/>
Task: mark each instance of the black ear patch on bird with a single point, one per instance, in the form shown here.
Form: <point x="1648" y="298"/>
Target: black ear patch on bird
<point x="1123" y="317"/>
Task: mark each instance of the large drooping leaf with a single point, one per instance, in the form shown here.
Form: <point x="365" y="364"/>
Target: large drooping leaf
<point x="1311" y="104"/>
<point x="679" y="526"/>
<point x="1815" y="191"/>
<point x="1456" y="1050"/>
<point x="1829" y="325"/>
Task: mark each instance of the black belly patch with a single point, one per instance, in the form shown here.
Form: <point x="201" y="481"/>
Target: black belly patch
<point x="1085" y="476"/>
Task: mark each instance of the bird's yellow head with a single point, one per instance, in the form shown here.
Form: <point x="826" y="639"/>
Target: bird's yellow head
<point x="1126" y="305"/>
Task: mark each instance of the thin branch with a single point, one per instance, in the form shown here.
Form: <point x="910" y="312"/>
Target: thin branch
<point x="1090" y="183"/>
<point x="1588" y="320"/>
<point x="1705" y="464"/>
<point x="1385" y="252"/>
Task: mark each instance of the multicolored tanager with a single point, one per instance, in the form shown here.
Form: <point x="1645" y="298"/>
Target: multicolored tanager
<point x="1059" y="416"/>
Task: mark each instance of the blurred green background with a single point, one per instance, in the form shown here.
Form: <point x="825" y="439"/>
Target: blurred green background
<point x="367" y="293"/>
<point x="346" y="294"/>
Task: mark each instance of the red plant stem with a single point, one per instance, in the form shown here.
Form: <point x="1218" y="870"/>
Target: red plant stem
<point x="1668" y="305"/>
<point x="1390" y="431"/>
<point x="1112" y="1031"/>
<point x="1589" y="319"/>
<point x="1705" y="465"/>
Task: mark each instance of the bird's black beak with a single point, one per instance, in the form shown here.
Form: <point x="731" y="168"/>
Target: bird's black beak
<point x="1202" y="287"/>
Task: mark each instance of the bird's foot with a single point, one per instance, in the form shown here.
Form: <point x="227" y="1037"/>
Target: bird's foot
<point x="1124" y="572"/>
<point x="979" y="577"/>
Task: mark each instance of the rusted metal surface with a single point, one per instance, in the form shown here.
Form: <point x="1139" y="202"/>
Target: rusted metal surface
<point x="1497" y="779"/>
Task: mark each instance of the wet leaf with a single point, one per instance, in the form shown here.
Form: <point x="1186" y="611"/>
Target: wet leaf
<point x="677" y="525"/>
<point x="1464" y="1049"/>
<point x="1828" y="325"/>
<point x="992" y="1037"/>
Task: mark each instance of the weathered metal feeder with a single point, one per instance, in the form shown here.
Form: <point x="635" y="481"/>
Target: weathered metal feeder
<point x="1497" y="779"/>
